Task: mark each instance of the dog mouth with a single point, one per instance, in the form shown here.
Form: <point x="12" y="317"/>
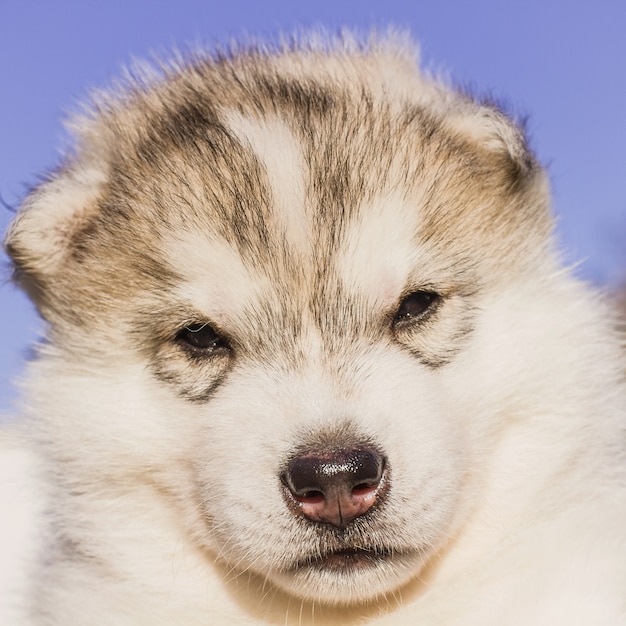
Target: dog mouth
<point x="344" y="574"/>
<point x="346" y="560"/>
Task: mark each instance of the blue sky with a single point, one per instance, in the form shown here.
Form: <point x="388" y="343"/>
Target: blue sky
<point x="561" y="62"/>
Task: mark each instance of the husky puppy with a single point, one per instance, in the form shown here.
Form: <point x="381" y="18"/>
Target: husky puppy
<point x="312" y="358"/>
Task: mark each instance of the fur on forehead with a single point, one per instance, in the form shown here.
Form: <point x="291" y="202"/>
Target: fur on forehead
<point x="157" y="151"/>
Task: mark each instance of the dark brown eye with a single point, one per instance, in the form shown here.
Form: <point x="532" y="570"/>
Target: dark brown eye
<point x="200" y="338"/>
<point x="416" y="306"/>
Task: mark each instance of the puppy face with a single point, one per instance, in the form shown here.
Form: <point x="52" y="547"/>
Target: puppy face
<point x="271" y="277"/>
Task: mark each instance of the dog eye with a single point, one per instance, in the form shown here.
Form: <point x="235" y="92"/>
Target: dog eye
<point x="416" y="306"/>
<point x="200" y="338"/>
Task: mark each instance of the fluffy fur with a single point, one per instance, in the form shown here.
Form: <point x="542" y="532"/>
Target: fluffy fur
<point x="295" y="206"/>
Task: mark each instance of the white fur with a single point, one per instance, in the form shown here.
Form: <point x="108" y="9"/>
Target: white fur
<point x="277" y="148"/>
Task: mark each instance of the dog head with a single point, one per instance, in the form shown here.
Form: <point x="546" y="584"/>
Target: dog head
<point x="285" y="289"/>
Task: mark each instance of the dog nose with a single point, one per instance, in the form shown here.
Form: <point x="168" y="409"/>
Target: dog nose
<point x="335" y="487"/>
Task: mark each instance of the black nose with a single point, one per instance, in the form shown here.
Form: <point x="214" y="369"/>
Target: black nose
<point x="335" y="487"/>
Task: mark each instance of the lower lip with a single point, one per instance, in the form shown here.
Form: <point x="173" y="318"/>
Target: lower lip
<point x="347" y="561"/>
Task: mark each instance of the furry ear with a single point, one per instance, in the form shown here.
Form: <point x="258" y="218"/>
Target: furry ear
<point x="40" y="238"/>
<point x="488" y="127"/>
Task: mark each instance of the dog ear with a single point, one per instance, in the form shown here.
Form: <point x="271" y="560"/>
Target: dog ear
<point x="494" y="132"/>
<point x="50" y="221"/>
<point x="41" y="235"/>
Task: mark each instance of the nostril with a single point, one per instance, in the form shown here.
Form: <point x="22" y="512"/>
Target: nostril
<point x="301" y="478"/>
<point x="364" y="489"/>
<point x="310" y="497"/>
